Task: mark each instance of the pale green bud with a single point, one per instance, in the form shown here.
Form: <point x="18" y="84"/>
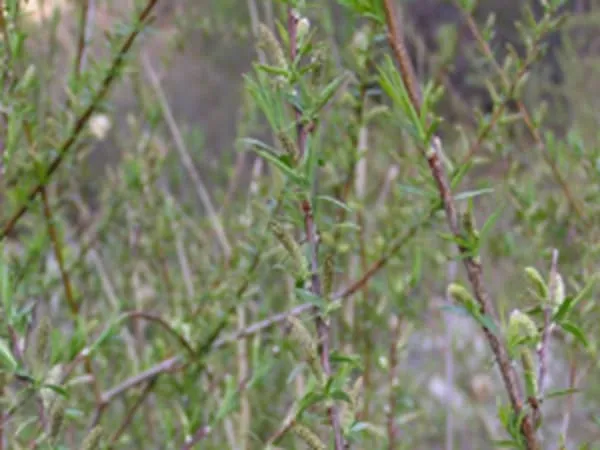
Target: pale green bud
<point x="521" y="327"/>
<point x="558" y="296"/>
<point x="360" y="40"/>
<point x="309" y="437"/>
<point x="269" y="43"/>
<point x="537" y="281"/>
<point x="531" y="385"/>
<point x="460" y="294"/>
<point x="302" y="28"/>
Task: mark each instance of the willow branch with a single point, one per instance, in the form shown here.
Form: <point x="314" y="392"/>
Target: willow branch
<point x="82" y="121"/>
<point x="535" y="133"/>
<point x="311" y="235"/>
<point x="472" y="265"/>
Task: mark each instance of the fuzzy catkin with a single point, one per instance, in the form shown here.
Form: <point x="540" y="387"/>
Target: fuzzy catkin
<point x="460" y="294"/>
<point x="558" y="294"/>
<point x="538" y="282"/>
<point x="531" y="384"/>
<point x="289" y="146"/>
<point x="318" y="60"/>
<point x="348" y="410"/>
<point x="355" y="391"/>
<point x="292" y="247"/>
<point x="92" y="440"/>
<point x="308" y="348"/>
<point x="57" y="417"/>
<point x="53" y="378"/>
<point x="269" y="43"/>
<point x="310" y="438"/>
<point x="521" y="327"/>
<point x="43" y="340"/>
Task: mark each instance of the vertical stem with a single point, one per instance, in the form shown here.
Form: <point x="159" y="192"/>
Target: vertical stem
<point x="311" y="236"/>
<point x="535" y="133"/>
<point x="74" y="307"/>
<point x="85" y="16"/>
<point x="570" y="399"/>
<point x="392" y="430"/>
<point x="322" y="326"/>
<point x="243" y="374"/>
<point x="449" y="362"/>
<point x="81" y="121"/>
<point x="544" y="346"/>
<point x="472" y="265"/>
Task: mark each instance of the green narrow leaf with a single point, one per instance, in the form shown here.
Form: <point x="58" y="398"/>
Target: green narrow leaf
<point x="472" y="194"/>
<point x="328" y="92"/>
<point x="6" y="287"/>
<point x="575" y="331"/>
<point x="471" y="310"/>
<point x="457" y="309"/>
<point x="273" y="70"/>
<point x="281" y="165"/>
<point x="506" y="443"/>
<point x="489" y="223"/>
<point x="582" y="294"/>
<point x="56" y="388"/>
<point x="335" y="201"/>
<point x="460" y="173"/>
<point x="561" y="393"/>
<point x="414" y="190"/>
<point x="488" y="322"/>
<point x="417" y="269"/>
<point x="229" y="399"/>
<point x="305" y="48"/>
<point x="283" y="34"/>
<point x="352" y="360"/>
<point x="310" y="161"/>
<point x="108" y="332"/>
<point x="564" y="309"/>
<point x="311" y="398"/>
<point x="458" y="240"/>
<point x="338" y="394"/>
<point x="7" y="360"/>
<point x="394" y="87"/>
<point x="309" y="297"/>
<point x="251" y="142"/>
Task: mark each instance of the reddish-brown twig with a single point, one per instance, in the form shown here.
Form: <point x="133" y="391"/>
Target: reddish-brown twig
<point x="472" y="265"/>
<point x="85" y="22"/>
<point x="392" y="429"/>
<point x="134" y="408"/>
<point x="311" y="236"/>
<point x="58" y="254"/>
<point x="200" y="434"/>
<point x="394" y="247"/>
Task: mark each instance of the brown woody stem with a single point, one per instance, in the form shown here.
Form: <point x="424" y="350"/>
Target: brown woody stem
<point x="311" y="236"/>
<point x="472" y="265"/>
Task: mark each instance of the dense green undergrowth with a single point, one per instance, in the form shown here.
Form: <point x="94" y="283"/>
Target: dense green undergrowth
<point x="384" y="262"/>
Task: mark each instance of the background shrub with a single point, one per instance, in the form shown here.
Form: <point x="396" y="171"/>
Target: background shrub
<point x="357" y="223"/>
